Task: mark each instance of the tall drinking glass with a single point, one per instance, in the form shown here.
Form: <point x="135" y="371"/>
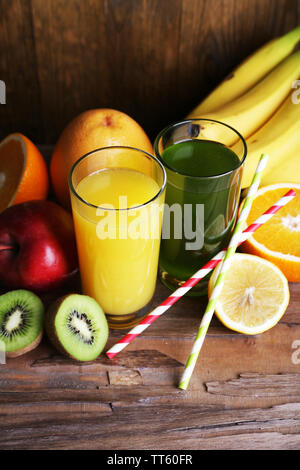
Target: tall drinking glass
<point x="117" y="196"/>
<point x="203" y="161"/>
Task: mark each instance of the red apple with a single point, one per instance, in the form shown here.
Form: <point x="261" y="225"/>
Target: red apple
<point x="37" y="246"/>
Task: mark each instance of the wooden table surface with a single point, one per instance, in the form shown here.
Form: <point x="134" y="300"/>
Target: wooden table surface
<point x="244" y="394"/>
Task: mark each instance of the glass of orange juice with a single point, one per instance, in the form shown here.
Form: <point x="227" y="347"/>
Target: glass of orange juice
<point x="117" y="196"/>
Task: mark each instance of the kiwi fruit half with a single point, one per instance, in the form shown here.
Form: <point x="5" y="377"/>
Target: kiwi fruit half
<point x="21" y="322"/>
<point x="77" y="327"/>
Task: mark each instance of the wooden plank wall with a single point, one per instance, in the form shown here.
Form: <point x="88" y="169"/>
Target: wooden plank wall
<point x="153" y="59"/>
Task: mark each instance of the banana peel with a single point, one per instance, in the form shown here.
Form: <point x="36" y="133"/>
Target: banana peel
<point x="280" y="139"/>
<point x="249" y="72"/>
<point x="249" y="112"/>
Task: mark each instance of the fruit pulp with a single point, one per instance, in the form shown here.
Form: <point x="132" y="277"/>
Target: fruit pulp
<point x="204" y="173"/>
<point x="118" y="243"/>
<point x="254" y="296"/>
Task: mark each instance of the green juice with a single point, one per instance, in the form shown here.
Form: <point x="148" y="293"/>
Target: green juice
<point x="205" y="173"/>
<point x="200" y="158"/>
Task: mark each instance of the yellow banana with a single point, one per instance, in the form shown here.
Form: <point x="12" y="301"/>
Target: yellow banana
<point x="287" y="170"/>
<point x="249" y="72"/>
<point x="279" y="137"/>
<point x="249" y="112"/>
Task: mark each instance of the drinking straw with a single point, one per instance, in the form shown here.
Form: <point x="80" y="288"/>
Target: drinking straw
<point x="233" y="244"/>
<point x="206" y="269"/>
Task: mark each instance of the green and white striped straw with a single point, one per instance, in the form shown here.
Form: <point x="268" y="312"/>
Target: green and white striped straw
<point x="208" y="314"/>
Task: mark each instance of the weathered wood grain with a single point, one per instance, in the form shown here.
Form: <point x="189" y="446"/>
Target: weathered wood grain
<point x="152" y="59"/>
<point x="245" y="394"/>
<point x="252" y="383"/>
<point x="158" y="427"/>
<point x="129" y="359"/>
<point x="19" y="70"/>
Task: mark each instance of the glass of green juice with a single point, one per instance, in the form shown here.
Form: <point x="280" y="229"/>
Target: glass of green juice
<point x="203" y="160"/>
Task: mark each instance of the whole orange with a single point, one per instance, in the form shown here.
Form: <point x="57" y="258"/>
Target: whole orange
<point x="89" y="131"/>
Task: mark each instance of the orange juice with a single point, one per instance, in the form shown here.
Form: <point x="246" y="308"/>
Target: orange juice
<point x="118" y="242"/>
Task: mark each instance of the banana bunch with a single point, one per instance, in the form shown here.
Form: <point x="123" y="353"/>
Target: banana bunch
<point x="259" y="101"/>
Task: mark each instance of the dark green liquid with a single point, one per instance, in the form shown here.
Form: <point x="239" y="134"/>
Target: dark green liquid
<point x="219" y="196"/>
<point x="200" y="158"/>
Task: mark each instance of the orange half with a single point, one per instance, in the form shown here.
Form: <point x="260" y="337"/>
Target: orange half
<point x="278" y="240"/>
<point x="23" y="171"/>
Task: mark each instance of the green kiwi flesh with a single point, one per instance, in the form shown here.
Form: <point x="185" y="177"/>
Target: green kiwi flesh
<point x="21" y="322"/>
<point x="77" y="327"/>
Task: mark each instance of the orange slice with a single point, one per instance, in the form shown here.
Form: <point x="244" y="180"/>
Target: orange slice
<point x="278" y="240"/>
<point x="23" y="171"/>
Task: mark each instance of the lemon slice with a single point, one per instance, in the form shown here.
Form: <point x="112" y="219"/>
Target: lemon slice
<point x="254" y="296"/>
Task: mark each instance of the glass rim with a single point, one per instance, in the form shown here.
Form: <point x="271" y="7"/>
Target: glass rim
<point x="186" y="121"/>
<point x="120" y="147"/>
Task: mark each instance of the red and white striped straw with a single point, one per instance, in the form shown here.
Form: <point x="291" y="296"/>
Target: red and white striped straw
<point x="207" y="268"/>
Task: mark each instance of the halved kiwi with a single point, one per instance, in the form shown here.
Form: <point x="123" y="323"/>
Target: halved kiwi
<point x="21" y="322"/>
<point x="77" y="327"/>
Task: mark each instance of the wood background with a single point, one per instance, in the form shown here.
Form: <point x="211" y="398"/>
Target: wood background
<point x="244" y="393"/>
<point x="153" y="59"/>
